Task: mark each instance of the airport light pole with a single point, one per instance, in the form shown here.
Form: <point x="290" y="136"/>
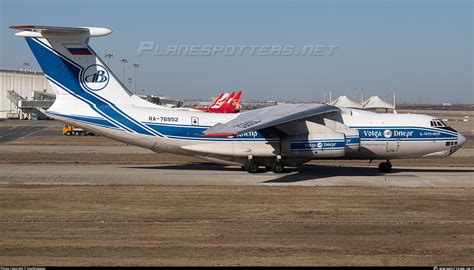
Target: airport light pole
<point x="129" y="82"/>
<point x="394" y="99"/>
<point x="25" y="65"/>
<point x="109" y="56"/>
<point x="124" y="61"/>
<point x="136" y="66"/>
<point x="362" y="91"/>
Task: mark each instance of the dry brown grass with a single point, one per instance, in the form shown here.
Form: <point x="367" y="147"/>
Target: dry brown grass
<point x="170" y="225"/>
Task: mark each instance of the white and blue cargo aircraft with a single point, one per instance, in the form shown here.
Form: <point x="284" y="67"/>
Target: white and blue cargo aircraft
<point x="90" y="95"/>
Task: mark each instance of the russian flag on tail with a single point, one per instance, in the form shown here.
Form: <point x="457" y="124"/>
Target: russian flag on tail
<point x="78" y="49"/>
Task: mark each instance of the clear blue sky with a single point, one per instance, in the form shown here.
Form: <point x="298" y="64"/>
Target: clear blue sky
<point x="421" y="48"/>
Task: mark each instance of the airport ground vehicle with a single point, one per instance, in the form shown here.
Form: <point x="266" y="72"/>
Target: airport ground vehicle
<point x="71" y="130"/>
<point x="90" y="95"/>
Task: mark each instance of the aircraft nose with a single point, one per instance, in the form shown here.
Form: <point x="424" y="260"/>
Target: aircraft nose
<point x="461" y="139"/>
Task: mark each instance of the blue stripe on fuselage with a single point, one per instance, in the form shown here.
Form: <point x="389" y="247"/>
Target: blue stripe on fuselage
<point x="85" y="119"/>
<point x="404" y="133"/>
<point x="312" y="145"/>
<point x="353" y="140"/>
<point x="175" y="132"/>
<point x="183" y="131"/>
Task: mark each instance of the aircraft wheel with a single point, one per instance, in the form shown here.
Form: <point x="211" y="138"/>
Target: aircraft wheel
<point x="277" y="167"/>
<point x="251" y="167"/>
<point x="385" y="167"/>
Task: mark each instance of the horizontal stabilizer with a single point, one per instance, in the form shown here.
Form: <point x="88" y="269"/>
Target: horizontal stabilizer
<point x="57" y="31"/>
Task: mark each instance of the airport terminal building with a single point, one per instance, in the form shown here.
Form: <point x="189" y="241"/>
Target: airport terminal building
<point x="27" y="94"/>
<point x="24" y="94"/>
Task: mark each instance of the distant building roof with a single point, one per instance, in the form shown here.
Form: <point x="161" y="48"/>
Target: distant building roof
<point x="344" y="101"/>
<point x="21" y="71"/>
<point x="374" y="102"/>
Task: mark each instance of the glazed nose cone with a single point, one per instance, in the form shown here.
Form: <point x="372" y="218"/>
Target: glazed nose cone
<point x="461" y="139"/>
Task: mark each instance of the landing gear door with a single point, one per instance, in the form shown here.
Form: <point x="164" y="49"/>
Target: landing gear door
<point x="392" y="145"/>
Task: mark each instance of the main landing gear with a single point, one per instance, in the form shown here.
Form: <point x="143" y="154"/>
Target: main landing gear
<point x="385" y="167"/>
<point x="251" y="166"/>
<point x="275" y="166"/>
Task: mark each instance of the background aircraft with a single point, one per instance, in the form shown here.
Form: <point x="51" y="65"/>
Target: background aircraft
<point x="224" y="103"/>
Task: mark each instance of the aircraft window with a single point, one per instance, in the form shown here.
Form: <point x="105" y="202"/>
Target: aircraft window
<point x="194" y="121"/>
<point x="448" y="143"/>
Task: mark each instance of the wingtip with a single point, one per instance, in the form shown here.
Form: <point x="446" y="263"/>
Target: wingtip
<point x="21" y="26"/>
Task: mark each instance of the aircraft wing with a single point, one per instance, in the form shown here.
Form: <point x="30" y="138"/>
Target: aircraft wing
<point x="268" y="117"/>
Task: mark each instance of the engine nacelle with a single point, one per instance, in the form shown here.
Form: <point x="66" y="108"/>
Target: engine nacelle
<point x="315" y="145"/>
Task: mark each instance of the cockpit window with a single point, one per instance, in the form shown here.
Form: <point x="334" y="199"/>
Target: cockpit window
<point x="440" y="124"/>
<point x="437" y="123"/>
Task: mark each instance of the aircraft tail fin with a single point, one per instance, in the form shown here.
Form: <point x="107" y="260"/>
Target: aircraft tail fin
<point x="221" y="101"/>
<point x="228" y="103"/>
<point x="232" y="105"/>
<point x="87" y="91"/>
<point x="217" y="99"/>
<point x="70" y="64"/>
<point x="236" y="102"/>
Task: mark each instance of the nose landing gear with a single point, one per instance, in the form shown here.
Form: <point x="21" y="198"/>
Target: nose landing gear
<point x="385" y="167"/>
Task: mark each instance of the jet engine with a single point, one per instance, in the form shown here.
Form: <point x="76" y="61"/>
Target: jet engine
<point x="315" y="145"/>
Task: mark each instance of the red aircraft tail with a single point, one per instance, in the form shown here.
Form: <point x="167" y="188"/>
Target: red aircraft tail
<point x="233" y="106"/>
<point x="217" y="99"/>
<point x="216" y="107"/>
<point x="224" y="103"/>
<point x="229" y="105"/>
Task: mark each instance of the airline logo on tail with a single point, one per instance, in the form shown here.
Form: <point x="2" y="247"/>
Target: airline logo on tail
<point x="225" y="103"/>
<point x="95" y="77"/>
<point x="220" y="101"/>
